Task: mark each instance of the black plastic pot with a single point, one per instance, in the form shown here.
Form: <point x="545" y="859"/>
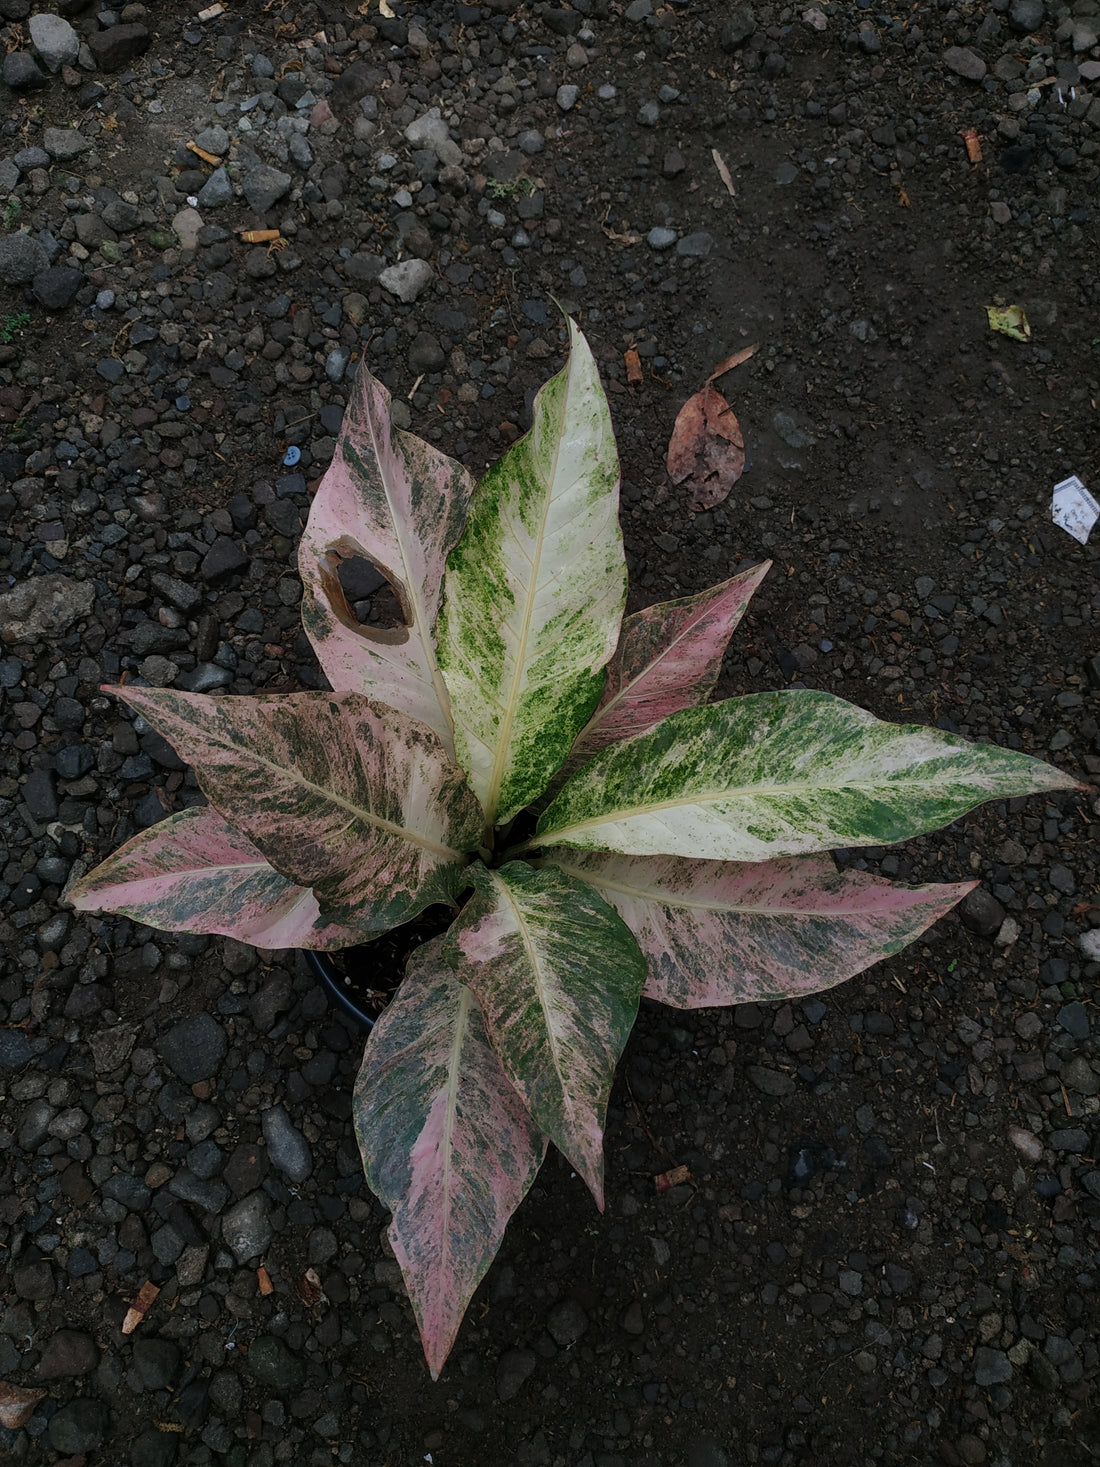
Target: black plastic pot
<point x="339" y="992"/>
<point x="361" y="980"/>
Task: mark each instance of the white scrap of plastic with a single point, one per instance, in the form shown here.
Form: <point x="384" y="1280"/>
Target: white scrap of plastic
<point x="1074" y="508"/>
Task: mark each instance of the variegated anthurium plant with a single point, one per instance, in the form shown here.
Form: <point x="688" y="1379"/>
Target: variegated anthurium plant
<point x="679" y="851"/>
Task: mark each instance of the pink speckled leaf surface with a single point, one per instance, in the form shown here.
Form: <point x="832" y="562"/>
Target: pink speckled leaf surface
<point x="447" y="1143"/>
<point x="395" y="500"/>
<point x="342" y="795"/>
<point x="726" y="932"/>
<point x="194" y="873"/>
<point x="669" y="657"/>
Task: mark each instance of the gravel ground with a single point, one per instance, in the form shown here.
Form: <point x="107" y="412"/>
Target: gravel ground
<point x="887" y="1251"/>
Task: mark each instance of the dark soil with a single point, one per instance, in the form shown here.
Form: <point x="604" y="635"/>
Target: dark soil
<point x="888" y="1246"/>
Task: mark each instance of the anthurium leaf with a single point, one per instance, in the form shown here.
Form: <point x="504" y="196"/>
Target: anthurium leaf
<point x="534" y="593"/>
<point x="558" y="977"/>
<point x="726" y="932"/>
<point x="393" y="499"/>
<point x="345" y="796"/>
<point x="669" y="657"/>
<point x="780" y="774"/>
<point x="447" y="1143"/>
<point x="194" y="873"/>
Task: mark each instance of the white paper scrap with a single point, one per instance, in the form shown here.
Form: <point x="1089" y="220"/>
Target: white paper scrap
<point x="1074" y="508"/>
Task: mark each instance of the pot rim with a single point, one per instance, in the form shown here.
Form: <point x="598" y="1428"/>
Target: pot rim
<point x="325" y="971"/>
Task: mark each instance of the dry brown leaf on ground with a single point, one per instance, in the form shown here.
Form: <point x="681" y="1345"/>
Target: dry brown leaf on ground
<point x="309" y="1290"/>
<point x="17" y="1404"/>
<point x="723" y="172"/>
<point x="707" y="449"/>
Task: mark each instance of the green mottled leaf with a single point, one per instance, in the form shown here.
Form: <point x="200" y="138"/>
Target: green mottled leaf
<point x="534" y="594"/>
<point x="558" y="977"/>
<point x="781" y="774"/>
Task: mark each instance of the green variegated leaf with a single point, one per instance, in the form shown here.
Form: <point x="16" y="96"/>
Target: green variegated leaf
<point x="447" y="1143"/>
<point x="558" y="977"/>
<point x="534" y="594"/>
<point x="780" y="774"/>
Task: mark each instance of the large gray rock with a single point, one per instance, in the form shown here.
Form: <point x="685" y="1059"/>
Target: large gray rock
<point x="991" y="1367"/>
<point x="15" y="1049"/>
<point x="56" y="287"/>
<point x="287" y="1148"/>
<point x="273" y="1365"/>
<point x="430" y="131"/>
<point x="153" y="1448"/>
<point x="43" y="607"/>
<point x="407" y="280"/>
<point x="736" y="29"/>
<point x="64" y="143"/>
<point x="982" y="913"/>
<point x="79" y="1426"/>
<point x="213" y="140"/>
<point x="157" y="1362"/>
<point x="69" y="1352"/>
<point x="21" y="258"/>
<point x="1025" y="16"/>
<point x="769" y="1081"/>
<point x="22" y="72"/>
<point x="55" y="40"/>
<point x="264" y="186"/>
<point x="194" y="1048"/>
<point x="350" y="87"/>
<point x="964" y="63"/>
<point x="115" y="48"/>
<point x="216" y="191"/>
<point x="120" y="215"/>
<point x="246" y="1227"/>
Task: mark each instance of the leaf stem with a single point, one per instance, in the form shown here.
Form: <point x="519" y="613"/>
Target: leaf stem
<point x="513" y="851"/>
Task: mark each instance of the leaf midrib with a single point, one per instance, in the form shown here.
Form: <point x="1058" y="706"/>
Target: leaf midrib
<point x="330" y="796"/>
<point x="540" y="987"/>
<point x="219" y="866"/>
<point x="510" y="708"/>
<point x="715" y="797"/>
<point x="668" y="899"/>
<point x="451" y="1090"/>
<point x="412" y="583"/>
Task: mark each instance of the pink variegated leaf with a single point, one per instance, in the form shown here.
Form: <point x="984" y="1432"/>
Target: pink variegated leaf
<point x="669" y="657"/>
<point x="345" y="796"/>
<point x="194" y="873"/>
<point x="447" y="1143"/>
<point x="393" y="499"/>
<point x="558" y="977"/>
<point x="726" y="932"/>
